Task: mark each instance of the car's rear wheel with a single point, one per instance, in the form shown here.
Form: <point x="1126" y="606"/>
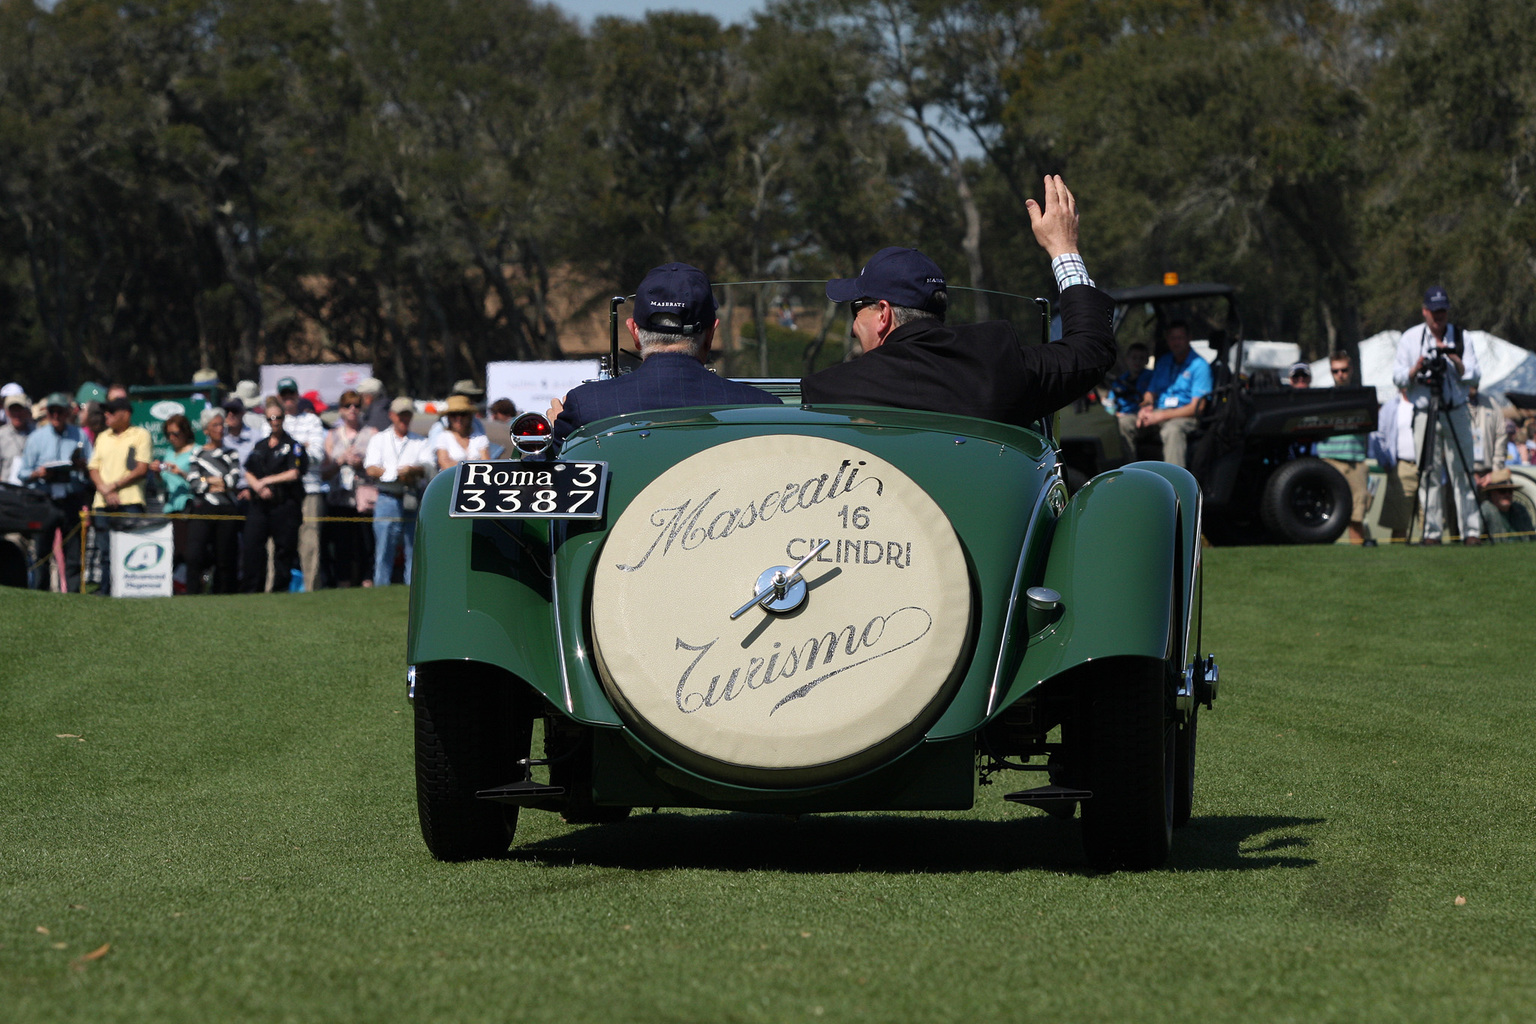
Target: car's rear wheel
<point x="1127" y="745"/>
<point x="1306" y="501"/>
<point x="470" y="734"/>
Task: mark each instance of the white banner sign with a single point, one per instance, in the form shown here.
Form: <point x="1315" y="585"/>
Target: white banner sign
<point x="531" y="385"/>
<point x="330" y="379"/>
<point x="142" y="562"/>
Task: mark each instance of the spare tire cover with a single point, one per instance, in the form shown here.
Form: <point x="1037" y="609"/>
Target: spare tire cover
<point x="852" y="675"/>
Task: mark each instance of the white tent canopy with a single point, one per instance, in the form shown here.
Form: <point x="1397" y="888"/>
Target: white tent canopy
<point x="1505" y="366"/>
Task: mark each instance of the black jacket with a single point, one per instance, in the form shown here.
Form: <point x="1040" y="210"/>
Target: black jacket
<point x="665" y="380"/>
<point x="266" y="460"/>
<point x="978" y="369"/>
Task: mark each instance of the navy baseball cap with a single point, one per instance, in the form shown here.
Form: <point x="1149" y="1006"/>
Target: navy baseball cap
<point x="902" y="277"/>
<point x="1436" y="298"/>
<point x="675" y="289"/>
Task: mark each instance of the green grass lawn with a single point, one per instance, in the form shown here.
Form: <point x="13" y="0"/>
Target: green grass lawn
<point x="220" y="789"/>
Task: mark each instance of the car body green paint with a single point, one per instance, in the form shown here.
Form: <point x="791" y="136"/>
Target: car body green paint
<point x="1123" y="554"/>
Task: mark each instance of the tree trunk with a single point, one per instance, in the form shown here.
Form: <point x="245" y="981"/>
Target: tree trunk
<point x="250" y="299"/>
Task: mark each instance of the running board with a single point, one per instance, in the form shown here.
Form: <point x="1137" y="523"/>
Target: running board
<point x="1049" y="795"/>
<point x="525" y="793"/>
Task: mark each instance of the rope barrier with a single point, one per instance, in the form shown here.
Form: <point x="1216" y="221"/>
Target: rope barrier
<point x="365" y="517"/>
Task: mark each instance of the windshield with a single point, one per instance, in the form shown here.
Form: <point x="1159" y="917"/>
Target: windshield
<point x="788" y="328"/>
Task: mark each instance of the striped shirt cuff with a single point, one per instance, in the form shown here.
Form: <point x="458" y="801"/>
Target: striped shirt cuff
<point x="1070" y="269"/>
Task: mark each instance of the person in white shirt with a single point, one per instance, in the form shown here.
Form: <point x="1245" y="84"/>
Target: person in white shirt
<point x="1399" y="458"/>
<point x="459" y="442"/>
<point x="1417" y="350"/>
<point x="400" y="460"/>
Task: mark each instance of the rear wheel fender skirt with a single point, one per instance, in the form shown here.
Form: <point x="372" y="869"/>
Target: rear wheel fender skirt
<point x="1117" y="558"/>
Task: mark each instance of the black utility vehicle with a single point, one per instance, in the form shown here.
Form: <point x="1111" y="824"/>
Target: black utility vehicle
<point x="25" y="512"/>
<point x="1245" y="453"/>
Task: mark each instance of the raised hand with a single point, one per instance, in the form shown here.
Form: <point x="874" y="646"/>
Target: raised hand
<point x="1054" y="224"/>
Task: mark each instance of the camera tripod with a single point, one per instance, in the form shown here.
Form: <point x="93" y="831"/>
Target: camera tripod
<point x="1426" y="454"/>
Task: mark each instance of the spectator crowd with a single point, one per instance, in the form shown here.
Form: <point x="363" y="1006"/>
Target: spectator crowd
<point x="283" y="493"/>
<point x="264" y="493"/>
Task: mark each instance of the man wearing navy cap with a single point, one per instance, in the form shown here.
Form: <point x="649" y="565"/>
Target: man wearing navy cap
<point x="1417" y="350"/>
<point x="911" y="360"/>
<point x="674" y="327"/>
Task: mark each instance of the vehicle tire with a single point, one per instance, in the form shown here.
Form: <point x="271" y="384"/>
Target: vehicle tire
<point x="13" y="565"/>
<point x="469" y="736"/>
<point x="1306" y="501"/>
<point x="1184" y="768"/>
<point x="1127" y="745"/>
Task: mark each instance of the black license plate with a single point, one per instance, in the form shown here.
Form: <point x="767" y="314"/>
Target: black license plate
<point x="530" y="490"/>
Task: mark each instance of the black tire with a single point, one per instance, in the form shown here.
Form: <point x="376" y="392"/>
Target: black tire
<point x="1184" y="768"/>
<point x="13" y="565"/>
<point x="469" y="736"/>
<point x="1127" y="747"/>
<point x="1306" y="501"/>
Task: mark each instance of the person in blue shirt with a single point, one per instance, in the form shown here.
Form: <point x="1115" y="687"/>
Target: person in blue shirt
<point x="54" y="463"/>
<point x="1126" y="392"/>
<point x="1176" y="392"/>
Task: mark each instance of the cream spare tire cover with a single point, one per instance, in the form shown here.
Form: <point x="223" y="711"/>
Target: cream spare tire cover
<point x="851" y="676"/>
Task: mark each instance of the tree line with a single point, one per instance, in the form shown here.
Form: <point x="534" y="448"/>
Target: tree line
<point x="430" y="184"/>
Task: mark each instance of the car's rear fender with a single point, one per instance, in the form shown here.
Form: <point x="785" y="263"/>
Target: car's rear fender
<point x="483" y="593"/>
<point x="1124" y="558"/>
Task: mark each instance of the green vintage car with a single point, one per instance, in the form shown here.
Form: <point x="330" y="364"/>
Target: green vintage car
<point x="794" y="609"/>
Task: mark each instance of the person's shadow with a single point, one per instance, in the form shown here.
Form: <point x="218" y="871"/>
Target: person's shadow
<point x="904" y="844"/>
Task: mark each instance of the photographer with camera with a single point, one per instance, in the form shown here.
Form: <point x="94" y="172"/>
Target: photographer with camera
<point x="1434" y="363"/>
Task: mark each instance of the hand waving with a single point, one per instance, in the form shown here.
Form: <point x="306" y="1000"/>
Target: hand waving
<point x="1055" y="225"/>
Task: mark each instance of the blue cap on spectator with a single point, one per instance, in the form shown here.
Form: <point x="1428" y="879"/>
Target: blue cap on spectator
<point x="1436" y="298"/>
<point x="675" y="289"/>
<point x="902" y="277"/>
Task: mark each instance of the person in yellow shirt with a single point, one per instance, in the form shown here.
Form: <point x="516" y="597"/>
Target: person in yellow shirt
<point x="119" y="463"/>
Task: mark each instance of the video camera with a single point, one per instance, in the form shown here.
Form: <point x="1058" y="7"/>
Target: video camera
<point x="1433" y="371"/>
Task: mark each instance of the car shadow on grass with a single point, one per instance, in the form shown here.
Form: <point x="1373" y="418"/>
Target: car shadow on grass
<point x="836" y="843"/>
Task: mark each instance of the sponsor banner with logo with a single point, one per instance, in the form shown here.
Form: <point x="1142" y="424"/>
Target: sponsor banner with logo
<point x="532" y="385"/>
<point x="329" y="379"/>
<point x="152" y="413"/>
<point x="142" y="562"/>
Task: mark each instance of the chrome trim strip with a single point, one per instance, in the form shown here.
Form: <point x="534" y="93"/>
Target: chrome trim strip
<point x="554" y="608"/>
<point x="1042" y="499"/>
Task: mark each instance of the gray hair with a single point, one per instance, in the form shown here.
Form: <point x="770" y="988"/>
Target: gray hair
<point x="653" y="341"/>
<point x="906" y="314"/>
